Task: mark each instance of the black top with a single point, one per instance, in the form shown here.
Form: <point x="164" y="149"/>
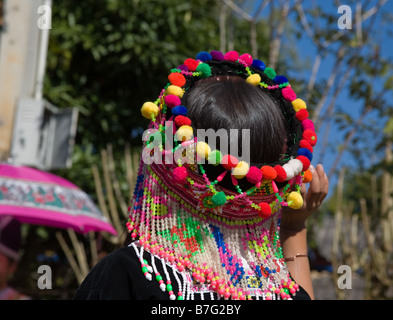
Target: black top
<point x="118" y="276"/>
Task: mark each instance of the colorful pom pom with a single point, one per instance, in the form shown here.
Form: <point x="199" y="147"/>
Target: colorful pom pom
<point x="305" y="162"/>
<point x="182" y="121"/>
<point x="217" y="55"/>
<point x="264" y="210"/>
<point x="254" y="79"/>
<point x="305" y="152"/>
<point x="241" y="170"/>
<point x="215" y="157"/>
<point x="295" y="200"/>
<point x="191" y="64"/>
<point x="150" y="110"/>
<point x="298" y="104"/>
<point x="246" y="58"/>
<point x="254" y="175"/>
<point x="268" y="173"/>
<point x="310" y="136"/>
<point x="270" y="72"/>
<point x="183" y="67"/>
<point x="307" y="124"/>
<point x="280" y="79"/>
<point x="229" y="162"/>
<point x="177" y="79"/>
<point x="289" y="170"/>
<point x="204" y="56"/>
<point x="179" y="175"/>
<point x="307" y="177"/>
<point x="179" y="111"/>
<point x="305" y="144"/>
<point x="281" y="174"/>
<point x="205" y="70"/>
<point x="258" y="64"/>
<point x="184" y="133"/>
<point x="302" y="114"/>
<point x="231" y="56"/>
<point x="288" y="94"/>
<point x="175" y="90"/>
<point x="203" y="149"/>
<point x="172" y="100"/>
<point x="219" y="199"/>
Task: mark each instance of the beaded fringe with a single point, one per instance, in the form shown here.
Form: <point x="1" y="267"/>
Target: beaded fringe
<point x="228" y="259"/>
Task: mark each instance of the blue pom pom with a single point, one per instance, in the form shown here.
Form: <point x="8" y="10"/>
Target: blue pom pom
<point x="179" y="111"/>
<point x="305" y="152"/>
<point x="258" y="64"/>
<point x="204" y="56"/>
<point x="280" y="79"/>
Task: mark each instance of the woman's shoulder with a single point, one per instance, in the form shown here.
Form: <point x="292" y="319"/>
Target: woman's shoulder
<point x="112" y="277"/>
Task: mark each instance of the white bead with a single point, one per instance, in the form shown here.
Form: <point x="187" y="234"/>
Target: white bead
<point x="172" y="297"/>
<point x="148" y="276"/>
<point x="163" y="287"/>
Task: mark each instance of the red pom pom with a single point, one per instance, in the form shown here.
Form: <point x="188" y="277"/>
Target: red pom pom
<point x="229" y="162"/>
<point x="191" y="64"/>
<point x="247" y="59"/>
<point x="231" y="56"/>
<point x="310" y="136"/>
<point x="265" y="210"/>
<point x="179" y="175"/>
<point x="281" y="174"/>
<point x="172" y="101"/>
<point x="305" y="161"/>
<point x="288" y="94"/>
<point x="268" y="173"/>
<point x="177" y="79"/>
<point x="305" y="144"/>
<point x="182" y="121"/>
<point x="302" y="114"/>
<point x="254" y="175"/>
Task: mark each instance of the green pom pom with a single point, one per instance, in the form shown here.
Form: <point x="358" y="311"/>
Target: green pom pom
<point x="215" y="157"/>
<point x="270" y="72"/>
<point x="219" y="199"/>
<point x="205" y="69"/>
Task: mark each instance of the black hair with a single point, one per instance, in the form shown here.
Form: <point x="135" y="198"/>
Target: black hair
<point x="226" y="101"/>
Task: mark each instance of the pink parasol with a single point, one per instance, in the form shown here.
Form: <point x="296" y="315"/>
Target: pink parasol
<point x="38" y="197"/>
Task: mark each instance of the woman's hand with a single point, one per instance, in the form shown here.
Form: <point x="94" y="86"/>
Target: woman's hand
<point x="295" y="220"/>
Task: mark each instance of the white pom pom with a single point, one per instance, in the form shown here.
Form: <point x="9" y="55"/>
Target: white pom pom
<point x="172" y="297"/>
<point x="163" y="287"/>
<point x="150" y="269"/>
<point x="296" y="165"/>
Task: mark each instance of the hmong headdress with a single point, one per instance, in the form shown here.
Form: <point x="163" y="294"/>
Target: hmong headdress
<point x="225" y="240"/>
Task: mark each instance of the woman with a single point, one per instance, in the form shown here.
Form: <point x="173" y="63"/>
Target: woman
<point x="222" y="216"/>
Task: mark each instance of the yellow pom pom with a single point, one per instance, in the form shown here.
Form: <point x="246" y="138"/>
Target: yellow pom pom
<point x="184" y="133"/>
<point x="295" y="200"/>
<point x="150" y="110"/>
<point x="298" y="104"/>
<point x="241" y="170"/>
<point x="203" y="150"/>
<point x="175" y="90"/>
<point x="254" y="79"/>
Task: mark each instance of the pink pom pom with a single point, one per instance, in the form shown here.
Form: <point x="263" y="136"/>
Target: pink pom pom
<point x="246" y="58"/>
<point x="288" y="94"/>
<point x="254" y="175"/>
<point x="180" y="174"/>
<point x="172" y="101"/>
<point x="231" y="56"/>
<point x="308" y="124"/>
